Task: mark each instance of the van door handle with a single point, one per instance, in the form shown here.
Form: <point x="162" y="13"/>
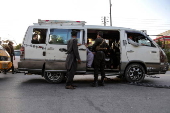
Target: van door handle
<point x="82" y="49"/>
<point x="130" y="51"/>
<point x="153" y="51"/>
<point x="63" y="49"/>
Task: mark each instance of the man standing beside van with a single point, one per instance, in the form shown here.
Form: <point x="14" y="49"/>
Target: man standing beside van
<point x="10" y="50"/>
<point x="71" y="60"/>
<point x="99" y="58"/>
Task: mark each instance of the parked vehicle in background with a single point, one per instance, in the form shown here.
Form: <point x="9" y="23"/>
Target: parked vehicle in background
<point x="5" y="62"/>
<point x="17" y="59"/>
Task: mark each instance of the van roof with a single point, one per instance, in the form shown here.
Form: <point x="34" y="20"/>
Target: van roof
<point x="106" y="27"/>
<point x="86" y="26"/>
<point x="99" y="27"/>
<point x="72" y="24"/>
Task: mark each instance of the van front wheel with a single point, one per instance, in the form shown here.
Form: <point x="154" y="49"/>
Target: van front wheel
<point x="135" y="73"/>
<point x="53" y="77"/>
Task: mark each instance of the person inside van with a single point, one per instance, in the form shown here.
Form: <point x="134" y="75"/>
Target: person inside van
<point x="34" y="39"/>
<point x="90" y="56"/>
<point x="130" y="40"/>
<point x="115" y="54"/>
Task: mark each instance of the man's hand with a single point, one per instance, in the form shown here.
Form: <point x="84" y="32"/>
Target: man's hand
<point x="79" y="61"/>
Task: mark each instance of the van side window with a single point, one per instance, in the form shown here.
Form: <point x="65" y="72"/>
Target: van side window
<point x="61" y="36"/>
<point x="144" y="41"/>
<point x="141" y="39"/>
<point x="39" y="36"/>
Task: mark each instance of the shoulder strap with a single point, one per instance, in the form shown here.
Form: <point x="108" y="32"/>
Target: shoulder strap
<point x="102" y="42"/>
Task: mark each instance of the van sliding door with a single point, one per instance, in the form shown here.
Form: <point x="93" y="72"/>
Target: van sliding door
<point x="56" y="49"/>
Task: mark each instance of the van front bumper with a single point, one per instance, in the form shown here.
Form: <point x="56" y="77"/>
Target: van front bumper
<point x="5" y="65"/>
<point x="164" y="68"/>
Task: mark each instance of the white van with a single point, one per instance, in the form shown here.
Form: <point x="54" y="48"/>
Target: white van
<point x="48" y="56"/>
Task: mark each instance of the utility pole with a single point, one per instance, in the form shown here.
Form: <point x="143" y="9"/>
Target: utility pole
<point x="110" y="13"/>
<point x="104" y="20"/>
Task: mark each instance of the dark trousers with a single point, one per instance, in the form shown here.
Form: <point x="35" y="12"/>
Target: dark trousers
<point x="99" y="64"/>
<point x="71" y="72"/>
<point x="12" y="63"/>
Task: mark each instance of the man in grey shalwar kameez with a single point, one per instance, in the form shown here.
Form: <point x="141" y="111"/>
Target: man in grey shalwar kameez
<point x="71" y="60"/>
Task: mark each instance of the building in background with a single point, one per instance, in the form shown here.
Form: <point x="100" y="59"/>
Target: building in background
<point x="165" y="38"/>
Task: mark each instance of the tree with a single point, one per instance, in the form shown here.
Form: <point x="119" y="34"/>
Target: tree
<point x="17" y="47"/>
<point x="160" y="43"/>
<point x="166" y="48"/>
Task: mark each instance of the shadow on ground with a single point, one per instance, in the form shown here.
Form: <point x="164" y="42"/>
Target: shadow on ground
<point x="35" y="81"/>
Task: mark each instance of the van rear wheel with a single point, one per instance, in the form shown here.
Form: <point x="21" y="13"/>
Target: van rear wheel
<point x="135" y="73"/>
<point x="53" y="77"/>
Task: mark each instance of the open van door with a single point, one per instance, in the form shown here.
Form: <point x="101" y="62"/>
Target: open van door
<point x="56" y="49"/>
<point x="146" y="53"/>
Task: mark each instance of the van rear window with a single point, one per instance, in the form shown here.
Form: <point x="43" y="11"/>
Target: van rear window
<point x="39" y="36"/>
<point x="61" y="36"/>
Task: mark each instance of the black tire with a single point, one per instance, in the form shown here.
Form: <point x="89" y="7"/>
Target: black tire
<point x="4" y="71"/>
<point x="65" y="78"/>
<point x="16" y="70"/>
<point x="53" y="77"/>
<point x="135" y="73"/>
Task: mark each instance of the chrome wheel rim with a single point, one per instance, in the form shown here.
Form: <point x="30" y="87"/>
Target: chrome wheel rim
<point x="135" y="73"/>
<point x="53" y="76"/>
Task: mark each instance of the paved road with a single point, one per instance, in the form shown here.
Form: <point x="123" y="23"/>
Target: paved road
<point x="32" y="94"/>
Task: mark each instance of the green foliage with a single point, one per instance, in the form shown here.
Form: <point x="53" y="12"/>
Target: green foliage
<point x="5" y="46"/>
<point x="168" y="56"/>
<point x="167" y="52"/>
<point x="17" y="47"/>
<point x="166" y="49"/>
<point x="160" y="43"/>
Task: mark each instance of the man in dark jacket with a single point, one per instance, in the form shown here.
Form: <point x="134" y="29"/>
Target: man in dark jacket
<point x="10" y="50"/>
<point x="71" y="60"/>
<point x="99" y="47"/>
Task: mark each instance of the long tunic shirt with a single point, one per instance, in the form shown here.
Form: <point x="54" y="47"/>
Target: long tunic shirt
<point x="72" y="51"/>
